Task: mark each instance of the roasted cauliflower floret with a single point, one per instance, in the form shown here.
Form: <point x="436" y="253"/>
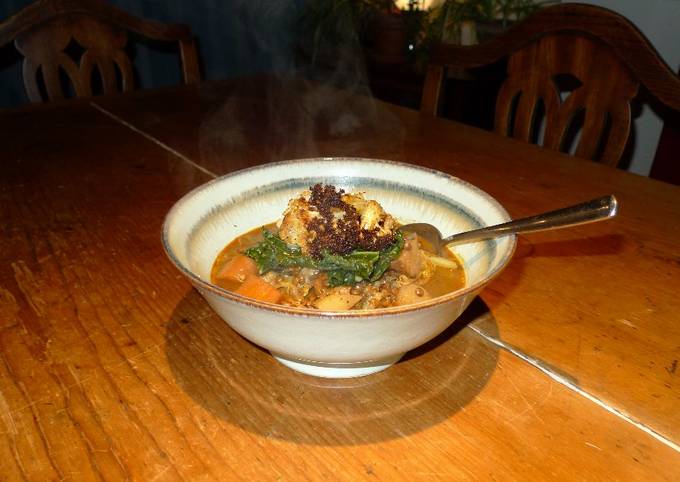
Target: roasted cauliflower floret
<point x="372" y="214"/>
<point x="294" y="225"/>
<point x="324" y="219"/>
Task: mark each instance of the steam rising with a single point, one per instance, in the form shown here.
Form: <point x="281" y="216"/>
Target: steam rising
<point x="313" y="101"/>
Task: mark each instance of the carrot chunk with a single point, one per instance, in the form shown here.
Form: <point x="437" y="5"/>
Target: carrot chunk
<point x="237" y="268"/>
<point x="257" y="288"/>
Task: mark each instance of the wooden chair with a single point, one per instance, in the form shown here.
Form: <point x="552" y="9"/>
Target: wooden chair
<point x="607" y="55"/>
<point x="44" y="31"/>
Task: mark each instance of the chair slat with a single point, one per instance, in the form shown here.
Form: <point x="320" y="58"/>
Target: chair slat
<point x="43" y="30"/>
<point x="607" y="56"/>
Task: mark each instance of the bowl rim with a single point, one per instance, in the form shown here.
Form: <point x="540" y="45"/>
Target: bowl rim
<point x="312" y="312"/>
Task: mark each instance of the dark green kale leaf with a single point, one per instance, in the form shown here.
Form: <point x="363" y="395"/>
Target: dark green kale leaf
<point x="274" y="254"/>
<point x="386" y="257"/>
<point x="348" y="269"/>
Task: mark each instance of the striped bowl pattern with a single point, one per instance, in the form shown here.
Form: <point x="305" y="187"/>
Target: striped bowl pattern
<point x="334" y="344"/>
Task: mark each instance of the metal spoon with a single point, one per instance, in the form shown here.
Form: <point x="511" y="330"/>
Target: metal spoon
<point x="587" y="212"/>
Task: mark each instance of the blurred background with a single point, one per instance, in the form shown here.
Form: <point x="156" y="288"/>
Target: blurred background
<point x="376" y="45"/>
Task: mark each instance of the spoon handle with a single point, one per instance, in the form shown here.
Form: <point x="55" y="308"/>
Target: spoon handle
<point x="587" y="212"/>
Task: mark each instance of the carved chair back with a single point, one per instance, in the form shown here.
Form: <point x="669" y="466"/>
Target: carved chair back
<point x="602" y="54"/>
<point x="82" y="43"/>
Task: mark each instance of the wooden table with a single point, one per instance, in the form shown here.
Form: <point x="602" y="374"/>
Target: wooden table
<point x="112" y="367"/>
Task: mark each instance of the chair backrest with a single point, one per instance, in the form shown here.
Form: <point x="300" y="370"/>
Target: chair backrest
<point x="604" y="55"/>
<point x="44" y="31"/>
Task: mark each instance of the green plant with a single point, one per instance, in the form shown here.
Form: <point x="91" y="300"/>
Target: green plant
<point x="443" y="22"/>
<point x="338" y="19"/>
<point x="327" y="25"/>
<point x="456" y="11"/>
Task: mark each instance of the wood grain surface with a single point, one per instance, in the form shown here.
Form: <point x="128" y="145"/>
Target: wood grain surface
<point x="604" y="293"/>
<point x="113" y="368"/>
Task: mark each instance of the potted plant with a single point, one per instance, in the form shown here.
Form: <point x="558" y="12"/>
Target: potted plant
<point x="378" y="27"/>
<point x="464" y="22"/>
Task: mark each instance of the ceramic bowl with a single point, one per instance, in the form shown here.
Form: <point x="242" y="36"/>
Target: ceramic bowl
<point x="334" y="344"/>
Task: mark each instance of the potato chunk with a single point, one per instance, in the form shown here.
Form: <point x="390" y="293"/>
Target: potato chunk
<point x="410" y="260"/>
<point x="412" y="293"/>
<point x="339" y="300"/>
